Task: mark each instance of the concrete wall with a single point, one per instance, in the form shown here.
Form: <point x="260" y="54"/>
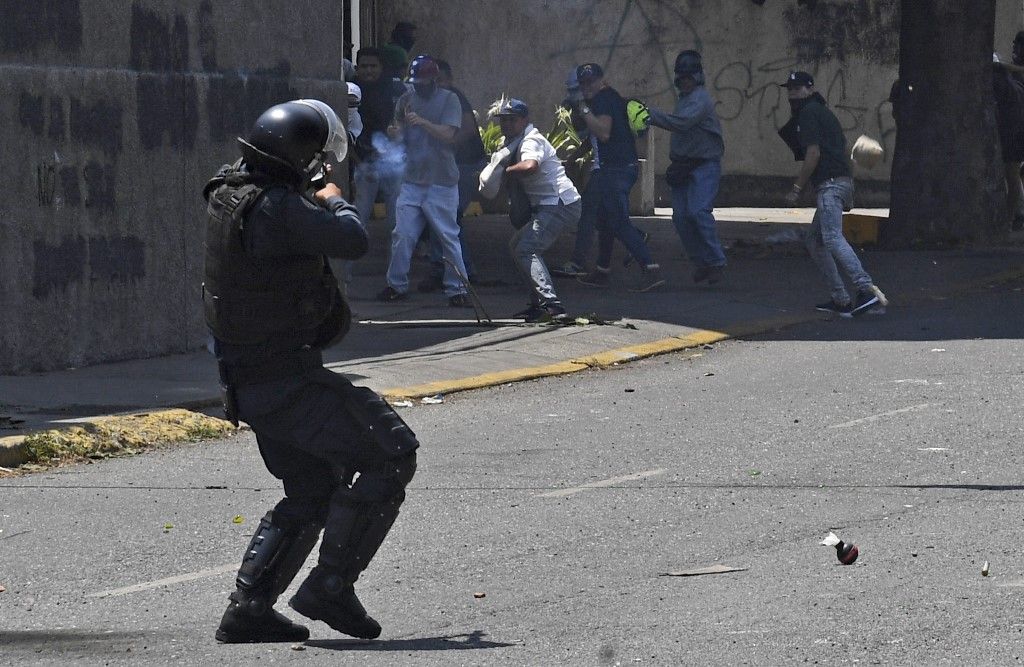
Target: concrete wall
<point x="116" y="113"/>
<point x="526" y="48"/>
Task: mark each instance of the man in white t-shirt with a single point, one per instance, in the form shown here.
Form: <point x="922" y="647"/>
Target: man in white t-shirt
<point x="553" y="200"/>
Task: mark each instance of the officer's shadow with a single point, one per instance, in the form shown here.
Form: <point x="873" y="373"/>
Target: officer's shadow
<point x="471" y="641"/>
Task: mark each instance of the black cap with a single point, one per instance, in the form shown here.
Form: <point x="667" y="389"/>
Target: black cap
<point x="512" y="107"/>
<point x="797" y="79"/>
<point x="588" y="72"/>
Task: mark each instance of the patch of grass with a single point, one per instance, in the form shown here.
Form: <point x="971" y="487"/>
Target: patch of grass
<point x="123" y="435"/>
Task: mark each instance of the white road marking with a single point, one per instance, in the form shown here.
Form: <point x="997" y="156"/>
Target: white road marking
<point x="882" y="415"/>
<point x="181" y="578"/>
<point x="565" y="493"/>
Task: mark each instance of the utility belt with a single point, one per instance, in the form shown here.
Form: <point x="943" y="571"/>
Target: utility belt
<point x="287" y="365"/>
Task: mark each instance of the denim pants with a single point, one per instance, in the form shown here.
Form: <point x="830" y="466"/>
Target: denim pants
<point x="534" y="238"/>
<point x="369" y="179"/>
<point x="420" y="207"/>
<point x="692" y="205"/>
<point x="469" y="181"/>
<point x="606" y="207"/>
<point x="826" y="243"/>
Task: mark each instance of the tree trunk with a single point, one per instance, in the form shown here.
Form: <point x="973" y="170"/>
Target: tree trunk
<point x="947" y="173"/>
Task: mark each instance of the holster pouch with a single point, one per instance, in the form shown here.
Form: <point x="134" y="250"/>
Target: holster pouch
<point x="228" y="397"/>
<point x="375" y="416"/>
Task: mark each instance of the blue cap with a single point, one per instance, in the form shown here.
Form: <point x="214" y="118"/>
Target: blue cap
<point x="512" y="107"/>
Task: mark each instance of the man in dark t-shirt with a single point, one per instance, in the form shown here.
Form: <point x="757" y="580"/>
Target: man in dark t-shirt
<point x="606" y="196"/>
<point x="470" y="158"/>
<point x="814" y="135"/>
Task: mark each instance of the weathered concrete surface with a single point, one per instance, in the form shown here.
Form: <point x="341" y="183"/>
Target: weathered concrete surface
<point x="119" y="112"/>
<point x="850" y="46"/>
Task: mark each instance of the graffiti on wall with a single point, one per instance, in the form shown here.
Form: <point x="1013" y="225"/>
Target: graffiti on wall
<point x="648" y="34"/>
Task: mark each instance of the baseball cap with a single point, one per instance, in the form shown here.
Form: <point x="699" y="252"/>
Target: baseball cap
<point x="588" y="72"/>
<point x="798" y="79"/>
<point x="512" y="107"/>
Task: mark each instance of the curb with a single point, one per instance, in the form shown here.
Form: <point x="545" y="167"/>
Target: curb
<point x="14" y="452"/>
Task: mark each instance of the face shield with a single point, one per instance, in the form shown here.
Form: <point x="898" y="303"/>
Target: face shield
<point x="337" y="141"/>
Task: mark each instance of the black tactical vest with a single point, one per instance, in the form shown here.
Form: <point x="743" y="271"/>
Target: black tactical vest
<point x="252" y="302"/>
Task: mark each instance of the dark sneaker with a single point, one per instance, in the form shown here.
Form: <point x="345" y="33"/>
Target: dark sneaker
<point x="569" y="270"/>
<point x="628" y="259"/>
<point x="460" y="301"/>
<point x="650" y="278"/>
<point x="712" y="274"/>
<point x="532" y="311"/>
<point x="389" y="293"/>
<point x="255" y="621"/>
<point x="551" y="311"/>
<point x="431" y="284"/>
<point x="597" y="278"/>
<point x="870" y="300"/>
<point x="325" y="597"/>
<point x="840" y="309"/>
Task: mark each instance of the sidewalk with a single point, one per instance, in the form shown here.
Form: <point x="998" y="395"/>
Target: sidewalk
<point x="421" y="347"/>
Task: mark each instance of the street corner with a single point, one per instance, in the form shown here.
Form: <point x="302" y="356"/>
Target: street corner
<point x="106" y="437"/>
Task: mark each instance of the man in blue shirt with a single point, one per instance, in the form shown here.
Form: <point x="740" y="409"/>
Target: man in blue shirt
<point x="696" y="169"/>
<point x="606" y="196"/>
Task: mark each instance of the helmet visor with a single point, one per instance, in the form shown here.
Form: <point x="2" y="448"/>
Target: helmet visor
<point x="337" y="140"/>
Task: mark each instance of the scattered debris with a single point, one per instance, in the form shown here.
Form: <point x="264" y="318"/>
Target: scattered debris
<point x="167" y="527"/>
<point x="711" y="569"/>
<point x="846" y="552"/>
<point x="630" y="391"/>
<point x="479" y="594"/>
<point x="298" y="647"/>
<point x="402" y="404"/>
<point x="432" y="400"/>
<point x="215" y="486"/>
<point x="707" y="346"/>
<point x="238" y="519"/>
<point x="938" y="349"/>
<point x="753" y="473"/>
<point x="707" y="375"/>
<point x="2" y="589"/>
<point x="984" y="569"/>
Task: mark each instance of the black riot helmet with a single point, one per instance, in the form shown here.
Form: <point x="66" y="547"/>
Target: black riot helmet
<point x="688" y="63"/>
<point x="295" y="137"/>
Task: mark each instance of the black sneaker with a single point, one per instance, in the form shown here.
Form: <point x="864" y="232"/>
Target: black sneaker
<point x="460" y="301"/>
<point x="840" y="309"/>
<point x="596" y="278"/>
<point x="712" y="274"/>
<point x="531" y="311"/>
<point x="430" y="284"/>
<point x="389" y="293"/>
<point x="650" y="278"/>
<point x="569" y="270"/>
<point x="552" y="311"/>
<point x="869" y="300"/>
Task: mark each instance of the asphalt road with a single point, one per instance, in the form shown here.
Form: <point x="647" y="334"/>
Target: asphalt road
<point x="563" y="501"/>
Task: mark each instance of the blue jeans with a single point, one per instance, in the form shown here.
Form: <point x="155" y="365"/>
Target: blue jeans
<point x="692" y="206"/>
<point x="606" y="207"/>
<point x="419" y="207"/>
<point x="826" y="243"/>
<point x="469" y="182"/>
<point x="369" y="179"/>
<point x="535" y="237"/>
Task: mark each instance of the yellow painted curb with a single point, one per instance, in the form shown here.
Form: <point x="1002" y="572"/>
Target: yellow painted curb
<point x="599" y="360"/>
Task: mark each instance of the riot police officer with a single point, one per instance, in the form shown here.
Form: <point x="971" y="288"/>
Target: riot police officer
<point x="343" y="455"/>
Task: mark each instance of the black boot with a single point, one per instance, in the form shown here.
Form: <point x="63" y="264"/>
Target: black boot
<point x="273" y="558"/>
<point x="252" y="620"/>
<point x="326" y="596"/>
